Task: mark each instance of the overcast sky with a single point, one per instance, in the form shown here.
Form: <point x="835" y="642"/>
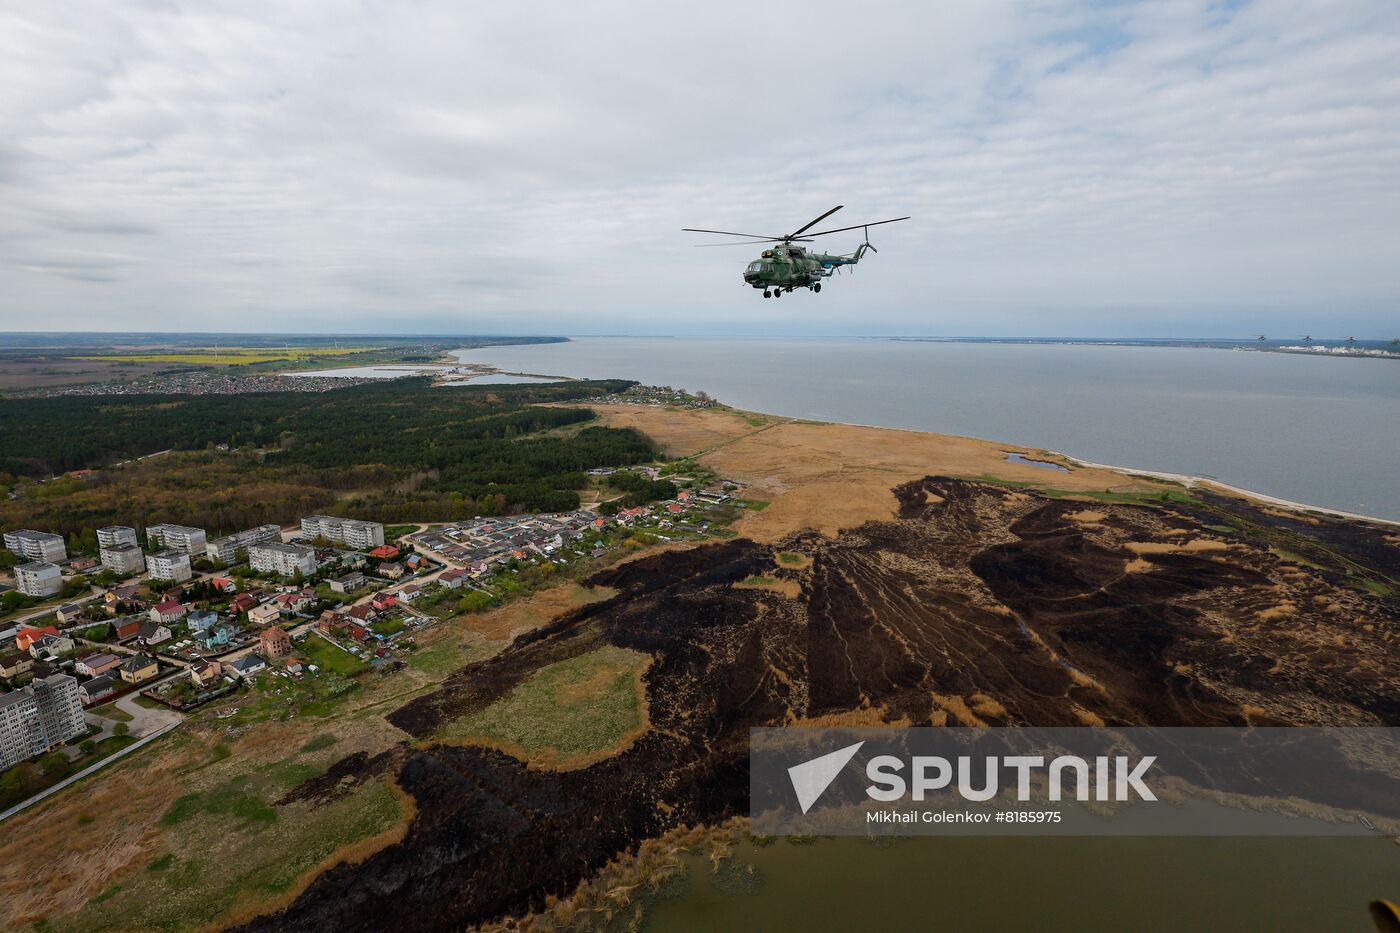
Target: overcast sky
<point x="1163" y="168"/>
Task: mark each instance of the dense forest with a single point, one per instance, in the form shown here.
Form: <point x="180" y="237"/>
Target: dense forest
<point x="392" y="451"/>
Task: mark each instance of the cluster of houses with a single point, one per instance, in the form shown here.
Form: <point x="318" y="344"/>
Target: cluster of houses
<point x="483" y="543"/>
<point x="656" y="395"/>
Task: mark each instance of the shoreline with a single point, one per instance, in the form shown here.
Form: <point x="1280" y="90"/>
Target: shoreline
<point x="1188" y="480"/>
<point x="1191" y="481"/>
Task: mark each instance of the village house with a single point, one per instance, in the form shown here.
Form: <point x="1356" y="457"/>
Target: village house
<point x="218" y="636"/>
<point x="120" y="594"/>
<point x="201" y="620"/>
<point x="242" y="603"/>
<point x="139" y="668"/>
<point x="154" y="633"/>
<point x="50" y="647"/>
<point x="95" y="665"/>
<point x="96" y="690"/>
<point x="14" y="663"/>
<point x="360" y="613"/>
<point x="383" y="601"/>
<point x="274" y="643"/>
<point x="207" y="672"/>
<point x="349" y="583"/>
<point x="69" y="613"/>
<point x="169" y="611"/>
<point x="126" y="628"/>
<point x="390" y="571"/>
<point x="385" y="552"/>
<point x="296" y="602"/>
<point x="265" y="614"/>
<point x="29" y="634"/>
<point x="452" y="579"/>
<point x="223" y="584"/>
<point x="247" y="666"/>
<point x="410" y="592"/>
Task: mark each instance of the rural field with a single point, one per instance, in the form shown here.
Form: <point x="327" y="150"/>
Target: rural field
<point x="231" y="356"/>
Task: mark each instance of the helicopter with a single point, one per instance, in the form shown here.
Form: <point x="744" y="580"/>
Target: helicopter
<point x="785" y="266"/>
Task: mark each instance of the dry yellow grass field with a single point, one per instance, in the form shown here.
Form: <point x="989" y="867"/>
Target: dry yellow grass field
<point x="833" y="476"/>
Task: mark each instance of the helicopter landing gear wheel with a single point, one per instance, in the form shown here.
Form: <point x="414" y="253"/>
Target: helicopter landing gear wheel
<point x="817" y="287"/>
<point x="777" y="293"/>
<point x="766" y="294"/>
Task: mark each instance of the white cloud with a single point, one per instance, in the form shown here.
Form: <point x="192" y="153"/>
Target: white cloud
<point x="1181" y="167"/>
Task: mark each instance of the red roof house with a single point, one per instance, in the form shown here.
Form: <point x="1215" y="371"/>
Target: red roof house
<point x="29" y="634"/>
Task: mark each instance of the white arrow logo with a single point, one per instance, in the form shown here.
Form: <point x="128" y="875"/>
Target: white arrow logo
<point x="811" y="778"/>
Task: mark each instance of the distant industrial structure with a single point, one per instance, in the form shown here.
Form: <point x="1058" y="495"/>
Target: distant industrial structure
<point x="347" y="531"/>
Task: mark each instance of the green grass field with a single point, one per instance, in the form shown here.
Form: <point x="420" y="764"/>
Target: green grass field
<point x="229" y="356"/>
<point x="566" y="712"/>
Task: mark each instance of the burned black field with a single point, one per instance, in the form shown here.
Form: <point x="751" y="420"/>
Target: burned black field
<point x="976" y="605"/>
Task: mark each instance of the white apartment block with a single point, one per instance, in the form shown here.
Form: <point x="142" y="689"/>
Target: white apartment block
<point x="230" y="549"/>
<point x="36" y="545"/>
<point x="170" y="565"/>
<point x="125" y="559"/>
<point x="347" y="531"/>
<point x="284" y="559"/>
<point x="113" y="535"/>
<point x="39" y="717"/>
<point x="38" y="579"/>
<point x="182" y="538"/>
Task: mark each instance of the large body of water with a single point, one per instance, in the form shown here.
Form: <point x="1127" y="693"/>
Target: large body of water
<point x="1317" y="430"/>
<point x="1080" y="884"/>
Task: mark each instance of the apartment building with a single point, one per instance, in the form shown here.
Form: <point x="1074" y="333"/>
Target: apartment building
<point x="347" y="531"/>
<point x="170" y="565"/>
<point x="284" y="559"/>
<point x="39" y="717"/>
<point x="36" y="545"/>
<point x="38" y="578"/>
<point x="124" y="559"/>
<point x="230" y="549"/>
<point x="191" y="541"/>
<point x="115" y="535"/>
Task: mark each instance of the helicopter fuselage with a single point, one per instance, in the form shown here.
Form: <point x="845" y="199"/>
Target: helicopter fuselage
<point x="786" y="267"/>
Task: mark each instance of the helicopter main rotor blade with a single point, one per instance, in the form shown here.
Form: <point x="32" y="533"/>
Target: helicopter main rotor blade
<point x="809" y="226"/>
<point x="858" y="226"/>
<point x="755" y="236"/>
<point x="745" y="243"/>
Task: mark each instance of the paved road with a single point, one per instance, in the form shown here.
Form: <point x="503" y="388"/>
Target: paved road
<point x="49" y="609"/>
<point x="145" y="721"/>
